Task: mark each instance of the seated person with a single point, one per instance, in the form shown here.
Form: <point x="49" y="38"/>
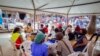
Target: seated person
<point x="82" y="41"/>
<point x="26" y="45"/>
<point x="77" y="31"/>
<point x="64" y="47"/>
<point x="69" y="33"/>
<point x="38" y="48"/>
<point x="53" y="35"/>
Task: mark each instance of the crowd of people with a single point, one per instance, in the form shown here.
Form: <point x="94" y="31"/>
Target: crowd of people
<point x="35" y="43"/>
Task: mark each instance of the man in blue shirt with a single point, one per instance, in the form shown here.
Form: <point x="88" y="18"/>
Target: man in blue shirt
<point x="38" y="48"/>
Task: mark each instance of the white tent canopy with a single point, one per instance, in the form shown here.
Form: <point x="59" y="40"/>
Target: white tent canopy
<point x="89" y="6"/>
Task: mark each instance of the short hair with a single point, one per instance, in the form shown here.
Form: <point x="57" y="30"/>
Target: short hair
<point x="33" y="33"/>
<point x="29" y="24"/>
<point x="69" y="26"/>
<point x="42" y="25"/>
<point x="59" y="36"/>
<point x="46" y="25"/>
<point x="56" y="30"/>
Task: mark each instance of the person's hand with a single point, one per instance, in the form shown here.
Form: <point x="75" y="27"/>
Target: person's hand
<point x="75" y="46"/>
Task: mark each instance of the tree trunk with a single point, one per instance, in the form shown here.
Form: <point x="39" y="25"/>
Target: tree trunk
<point x="92" y="25"/>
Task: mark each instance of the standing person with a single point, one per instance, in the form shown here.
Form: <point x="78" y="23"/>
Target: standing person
<point x="53" y="35"/>
<point x="76" y="32"/>
<point x="41" y="26"/>
<point x="60" y="28"/>
<point x="16" y="37"/>
<point x="69" y="33"/>
<point x="82" y="41"/>
<point x="77" y="29"/>
<point x="64" y="47"/>
<point x="38" y="48"/>
<point x="26" y="45"/>
<point x="56" y="30"/>
<point x="52" y="32"/>
<point x="46" y="29"/>
<point x="52" y="29"/>
<point x="28" y="29"/>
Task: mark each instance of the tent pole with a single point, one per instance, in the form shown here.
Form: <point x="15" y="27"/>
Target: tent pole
<point x="42" y="6"/>
<point x="69" y="11"/>
<point x="34" y="13"/>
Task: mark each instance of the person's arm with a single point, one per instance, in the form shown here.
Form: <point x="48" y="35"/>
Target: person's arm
<point x="31" y="49"/>
<point x="21" y="38"/>
<point x="31" y="29"/>
<point x="85" y="41"/>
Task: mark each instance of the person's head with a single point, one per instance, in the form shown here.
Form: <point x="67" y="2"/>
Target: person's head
<point x="59" y="36"/>
<point x="60" y="26"/>
<point x="83" y="31"/>
<point x="47" y="26"/>
<point x="17" y="29"/>
<point x="77" y="28"/>
<point x="40" y="37"/>
<point x="56" y="30"/>
<point x="42" y="25"/>
<point x="69" y="26"/>
<point x="52" y="27"/>
<point x="29" y="24"/>
<point x="68" y="30"/>
<point x="33" y="35"/>
<point x="28" y="37"/>
<point x="42" y="30"/>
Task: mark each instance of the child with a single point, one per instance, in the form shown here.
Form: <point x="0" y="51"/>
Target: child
<point x="26" y="45"/>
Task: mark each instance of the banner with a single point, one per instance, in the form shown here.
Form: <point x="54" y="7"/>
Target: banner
<point x="0" y="17"/>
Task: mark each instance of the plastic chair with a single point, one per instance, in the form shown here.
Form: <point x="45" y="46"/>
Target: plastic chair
<point x="90" y="48"/>
<point x="96" y="49"/>
<point x="87" y="51"/>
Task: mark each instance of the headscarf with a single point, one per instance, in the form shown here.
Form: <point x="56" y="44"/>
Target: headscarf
<point x="39" y="37"/>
